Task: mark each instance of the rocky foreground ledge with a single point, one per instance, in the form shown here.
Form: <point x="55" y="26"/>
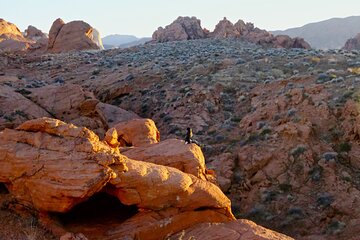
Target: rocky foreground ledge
<point x="156" y="190"/>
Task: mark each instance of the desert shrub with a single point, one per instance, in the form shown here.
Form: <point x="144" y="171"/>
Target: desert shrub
<point x="343" y="147"/>
<point x="297" y="151"/>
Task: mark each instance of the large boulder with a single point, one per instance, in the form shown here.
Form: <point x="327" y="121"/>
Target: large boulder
<point x="183" y="28"/>
<point x="353" y="43"/>
<point x="36" y="35"/>
<point x="137" y="132"/>
<point x="54" y="31"/>
<point x="52" y="166"/>
<point x="173" y="153"/>
<point x="225" y="29"/>
<point x="11" y="38"/>
<point x="73" y="36"/>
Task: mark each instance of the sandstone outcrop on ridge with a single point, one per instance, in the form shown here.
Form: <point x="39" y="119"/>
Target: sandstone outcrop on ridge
<point x="73" y="36"/>
<point x="183" y="28"/>
<point x="11" y="39"/>
<point x="8" y="29"/>
<point x="353" y="43"/>
<point x="36" y="35"/>
<point x="52" y="166"/>
<point x="186" y="28"/>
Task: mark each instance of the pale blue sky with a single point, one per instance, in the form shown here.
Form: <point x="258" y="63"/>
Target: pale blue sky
<point x="142" y="17"/>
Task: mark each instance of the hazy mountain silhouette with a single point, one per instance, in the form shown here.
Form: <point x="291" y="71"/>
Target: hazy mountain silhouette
<point x="328" y="34"/>
<point x="122" y="41"/>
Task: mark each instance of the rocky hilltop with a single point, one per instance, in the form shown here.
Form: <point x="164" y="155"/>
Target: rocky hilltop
<point x="277" y="128"/>
<point x="73" y="36"/>
<point x="186" y="28"/>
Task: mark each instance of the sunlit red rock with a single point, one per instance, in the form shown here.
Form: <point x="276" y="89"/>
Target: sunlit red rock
<point x="73" y="36"/>
<point x="137" y="132"/>
<point x="173" y="153"/>
<point x="63" y="164"/>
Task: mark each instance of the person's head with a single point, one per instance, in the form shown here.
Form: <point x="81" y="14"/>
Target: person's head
<point x="188" y="129"/>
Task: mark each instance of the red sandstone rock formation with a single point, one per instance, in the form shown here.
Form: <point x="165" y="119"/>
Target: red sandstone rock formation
<point x="73" y="36"/>
<point x="52" y="166"/>
<point x="173" y="153"/>
<point x="183" y="28"/>
<point x="7" y="28"/>
<point x="353" y="43"/>
<point x="72" y="104"/>
<point x="225" y="29"/>
<point x="54" y="31"/>
<point x="11" y="39"/>
<point x="34" y="34"/>
<point x="137" y="132"/>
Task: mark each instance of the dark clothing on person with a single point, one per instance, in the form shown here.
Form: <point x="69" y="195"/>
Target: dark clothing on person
<point x="189" y="134"/>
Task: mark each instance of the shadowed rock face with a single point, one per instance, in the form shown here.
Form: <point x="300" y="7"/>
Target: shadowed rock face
<point x="353" y="43"/>
<point x="73" y="36"/>
<point x="33" y="33"/>
<point x="185" y="28"/>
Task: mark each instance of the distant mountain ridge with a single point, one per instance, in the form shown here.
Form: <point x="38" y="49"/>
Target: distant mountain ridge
<point x="327" y="34"/>
<point x="122" y="41"/>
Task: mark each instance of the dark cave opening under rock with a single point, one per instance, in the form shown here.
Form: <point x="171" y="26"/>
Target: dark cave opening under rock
<point x="100" y="213"/>
<point x="3" y="189"/>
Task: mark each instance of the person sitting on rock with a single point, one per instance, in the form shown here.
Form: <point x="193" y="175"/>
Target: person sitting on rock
<point x="189" y="134"/>
<point x="188" y="138"/>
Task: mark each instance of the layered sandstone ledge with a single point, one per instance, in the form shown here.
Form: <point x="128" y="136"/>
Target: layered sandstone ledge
<point x="51" y="166"/>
